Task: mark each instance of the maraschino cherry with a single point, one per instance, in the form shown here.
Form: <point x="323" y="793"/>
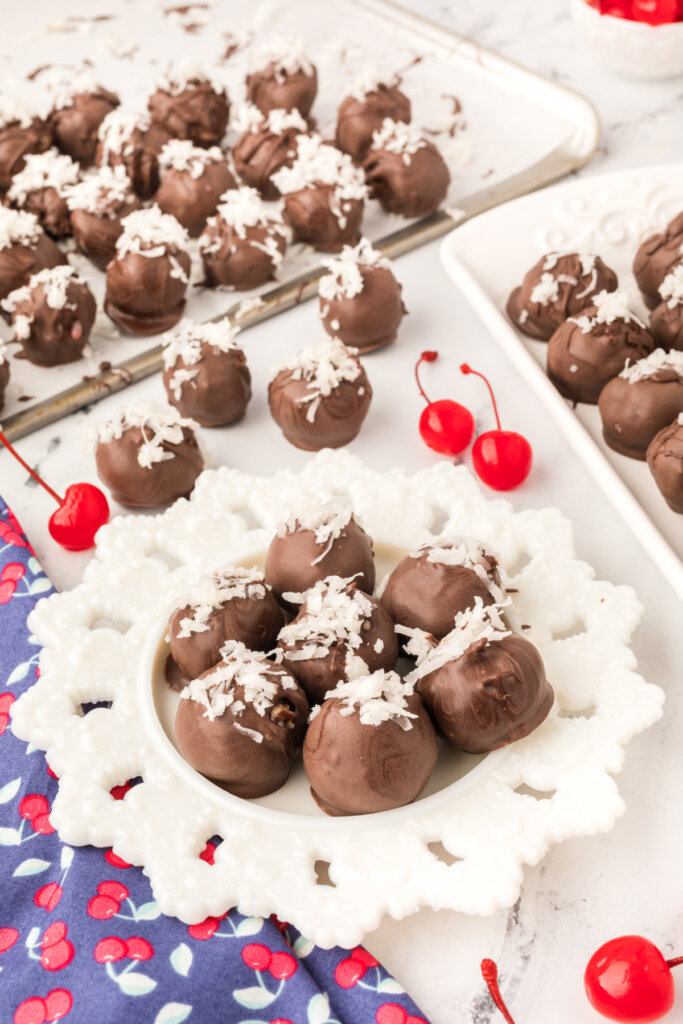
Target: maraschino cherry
<point x="81" y="511"/>
<point x="629" y="979"/>
<point x="489" y="973"/>
<point x="445" y="426"/>
<point x="501" y="458"/>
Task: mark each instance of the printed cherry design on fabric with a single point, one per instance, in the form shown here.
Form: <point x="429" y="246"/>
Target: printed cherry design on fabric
<point x="112" y="950"/>
<point x="37" y="1010"/>
<point x="261" y="959"/>
<point x="6" y="702"/>
<point x="56" y="951"/>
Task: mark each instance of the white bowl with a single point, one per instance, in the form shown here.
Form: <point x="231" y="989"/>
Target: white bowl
<point x="632" y="48"/>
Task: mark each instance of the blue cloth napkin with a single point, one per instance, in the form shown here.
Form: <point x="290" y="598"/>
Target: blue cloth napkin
<point x="81" y="937"/>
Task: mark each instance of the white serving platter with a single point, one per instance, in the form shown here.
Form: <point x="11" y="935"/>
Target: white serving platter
<point x="607" y="214"/>
<point x="517" y="131"/>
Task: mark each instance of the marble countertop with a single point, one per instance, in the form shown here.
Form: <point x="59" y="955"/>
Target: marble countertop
<point x="586" y="890"/>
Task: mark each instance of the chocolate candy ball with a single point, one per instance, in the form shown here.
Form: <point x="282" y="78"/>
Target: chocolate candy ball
<point x="665" y="459"/>
<point x="131" y="141"/>
<point x="656" y="258"/>
<point x="363" y="112"/>
<point x="77" y="113"/>
<point x="98" y="205"/>
<point x="282" y="77"/>
<point x="52" y="316"/>
<point x="21" y="133"/>
<point x="266" y="144"/>
<point x="645" y="397"/>
<point x="24" y="250"/>
<point x="405" y="172"/>
<point x="193" y="181"/>
<point x="188" y="105"/>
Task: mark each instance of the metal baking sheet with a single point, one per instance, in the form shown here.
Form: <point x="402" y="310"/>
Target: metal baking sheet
<point x="517" y="131"/>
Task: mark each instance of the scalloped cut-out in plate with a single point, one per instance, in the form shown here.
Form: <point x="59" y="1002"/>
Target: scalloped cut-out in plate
<point x="334" y="878"/>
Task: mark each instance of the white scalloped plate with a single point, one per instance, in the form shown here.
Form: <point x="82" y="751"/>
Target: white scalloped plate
<point x="462" y="846"/>
<point x="609" y="214"/>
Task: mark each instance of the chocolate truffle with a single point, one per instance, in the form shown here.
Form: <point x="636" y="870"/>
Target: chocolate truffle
<point x="642" y="400"/>
<point x="281" y="77"/>
<point x="148" y="277"/>
<point x="323" y="195"/>
<point x="320" y="397"/>
<point x="24" y="249"/>
<point x="231" y="604"/>
<point x="665" y="459"/>
<point x="79" y="108"/>
<point x="130" y="140"/>
<point x="242" y="723"/>
<point x="21" y="132"/>
<point x="557" y="287"/>
<point x="483" y="686"/>
<point x="147" y="455"/>
<point x="339" y="632"/>
<point x="369" y="747"/>
<point x="42" y="187"/>
<point x="244" y="244"/>
<point x="4" y="373"/>
<point x="371" y="101"/>
<point x="320" y="541"/>
<point x="405" y="172"/>
<point x="98" y="204"/>
<point x="360" y="299"/>
<point x="666" y="322"/>
<point x="656" y="257"/>
<point x="432" y="584"/>
<point x="588" y="350"/>
<point x="188" y="105"/>
<point x="52" y="316"/>
<point x="192" y="182"/>
<point x="266" y="144"/>
<point x="205" y="373"/>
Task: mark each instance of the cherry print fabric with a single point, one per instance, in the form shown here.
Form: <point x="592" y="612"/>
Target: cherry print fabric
<point x="81" y="938"/>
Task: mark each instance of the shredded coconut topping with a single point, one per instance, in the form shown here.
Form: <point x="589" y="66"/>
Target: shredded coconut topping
<point x="18" y="227"/>
<point x="397" y="137"/>
<point x="215" y="590"/>
<point x="14" y="112"/>
<point x="482" y="622"/>
<point x="186" y="73"/>
<point x="65" y="92"/>
<point x="101" y="193"/>
<point x="327" y="521"/>
<point x="159" y="424"/>
<point x="43" y="170"/>
<point x="547" y="290"/>
<point x="610" y="306"/>
<point x="671" y="288"/>
<point x="323" y="367"/>
<point x="55" y="282"/>
<point x="183" y="155"/>
<point x="250" y="119"/>
<point x="344" y="279"/>
<point x="286" y="56"/>
<point x="463" y="551"/>
<point x="335" y="613"/>
<point x="116" y="130"/>
<point x="379" y="697"/>
<point x="369" y="79"/>
<point x="243" y="208"/>
<point x="185" y="341"/>
<point x="251" y="671"/>
<point x="317" y="164"/>
<point x="657" y="360"/>
<point x="150" y="233"/>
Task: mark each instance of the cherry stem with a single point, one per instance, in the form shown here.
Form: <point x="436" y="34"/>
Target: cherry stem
<point x="31" y="472"/>
<point x="426" y="357"/>
<point x="675" y="962"/>
<point x="489" y="973"/>
<point x="468" y="369"/>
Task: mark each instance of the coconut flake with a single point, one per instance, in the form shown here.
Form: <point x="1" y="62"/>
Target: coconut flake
<point x="671" y="288"/>
<point x="284" y="56"/>
<point x="252" y="671"/>
<point x="327" y="522"/>
<point x="13" y="112"/>
<point x="183" y="75"/>
<point x="159" y="424"/>
<point x="248" y="306"/>
<point x="243" y="208"/>
<point x="116" y="131"/>
<point x="323" y="367"/>
<point x="370" y="79"/>
<point x="183" y="155"/>
<point x="657" y="360"/>
<point x="18" y="227"/>
<point x="185" y="341"/>
<point x="250" y="119"/>
<point x="379" y="697"/>
<point x="464" y="551"/>
<point x="101" y="193"/>
<point x="317" y="164"/>
<point x="151" y="233"/>
<point x="335" y="613"/>
<point x="215" y="590"/>
<point x="610" y="306"/>
<point x="481" y="622"/>
<point x="344" y="279"/>
<point x="397" y="137"/>
<point x="43" y="170"/>
<point x="55" y="282"/>
<point x="547" y="290"/>
<point x="66" y="92"/>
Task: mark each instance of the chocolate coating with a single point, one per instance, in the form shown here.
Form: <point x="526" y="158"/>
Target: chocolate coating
<point x="656" y="256"/>
<point x="260" y="154"/>
<point x="665" y="459"/>
<point x="633" y="412"/>
<point x="428" y="595"/>
<point x="143" y="296"/>
<point x="219" y="392"/>
<point x="4" y="381"/>
<point x="56" y="336"/>
<point x="96" y="234"/>
<point x="493" y="694"/>
<point x="411" y="189"/>
<point x="666" y="323"/>
<point x="296" y="561"/>
<point x="16" y="142"/>
<point x="337" y="420"/>
<point x="540" y="319"/>
<point x="360" y="769"/>
<point x="273" y="89"/>
<point x="310" y="212"/>
<point x="75" y="127"/>
<point x="241" y="765"/>
<point x="357" y="119"/>
<point x="237" y="261"/>
<point x="193" y="200"/>
<point x="597" y="356"/>
<point x="19" y="262"/>
<point x="199" y="112"/>
<point x="140" y="158"/>
<point x="370" y="319"/>
<point x="138" y="487"/>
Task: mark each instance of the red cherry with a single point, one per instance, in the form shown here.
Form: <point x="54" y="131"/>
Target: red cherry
<point x="489" y="973"/>
<point x="282" y="966"/>
<point x="207" y="853"/>
<point x="501" y="458"/>
<point x="33" y="805"/>
<point x="31" y="1011"/>
<point x="81" y="511"/>
<point x="256" y="956"/>
<point x="102" y="907"/>
<point x="363" y="957"/>
<point x="655" y="12"/>
<point x="110" y="949"/>
<point x="8" y="936"/>
<point x="116" y="890"/>
<point x="53" y="933"/>
<point x="616" y="8"/>
<point x="205" y="929"/>
<point x="628" y="979"/>
<point x="48" y="896"/>
<point x="58" y="956"/>
<point x="116" y="861"/>
<point x="348" y="972"/>
<point x="139" y="949"/>
<point x="445" y="426"/>
<point x="58" y="1003"/>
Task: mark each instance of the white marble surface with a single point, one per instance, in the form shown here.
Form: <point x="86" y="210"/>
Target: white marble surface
<point x="586" y="890"/>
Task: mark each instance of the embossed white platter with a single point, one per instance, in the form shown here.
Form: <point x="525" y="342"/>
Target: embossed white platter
<point x="461" y="846"/>
<point x="608" y="214"/>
